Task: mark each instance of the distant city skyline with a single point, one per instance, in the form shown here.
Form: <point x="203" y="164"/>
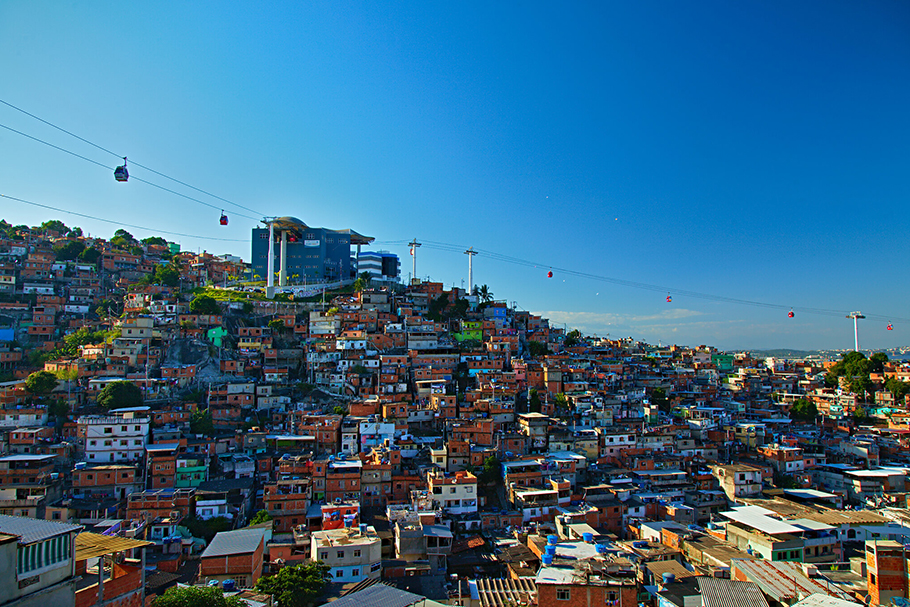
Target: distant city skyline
<point x="751" y="151"/>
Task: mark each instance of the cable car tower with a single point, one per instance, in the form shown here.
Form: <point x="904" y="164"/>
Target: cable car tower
<point x="855" y="316"/>
<point x="470" y="253"/>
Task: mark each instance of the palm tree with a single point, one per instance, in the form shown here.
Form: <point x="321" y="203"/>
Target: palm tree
<point x="485" y="294"/>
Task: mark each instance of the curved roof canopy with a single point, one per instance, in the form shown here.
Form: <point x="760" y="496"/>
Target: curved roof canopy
<point x="292" y="223"/>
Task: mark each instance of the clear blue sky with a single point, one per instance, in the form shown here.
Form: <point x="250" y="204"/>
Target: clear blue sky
<point x="751" y="150"/>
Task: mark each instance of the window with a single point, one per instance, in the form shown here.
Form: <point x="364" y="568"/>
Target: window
<point x="108" y="430"/>
<point x="136" y="428"/>
<point x="341" y="554"/>
<point x="562" y="594"/>
<point x="123" y="428"/>
<point x="355" y="571"/>
<point x="469" y="489"/>
<point x="451" y="489"/>
<point x="872" y="578"/>
<point x="323" y="556"/>
<point x="91" y="443"/>
<point x="356" y="554"/>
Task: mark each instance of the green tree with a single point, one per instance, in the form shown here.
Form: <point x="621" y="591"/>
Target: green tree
<point x="167" y="274"/>
<point x="804" y="409"/>
<point x="491" y="472"/>
<point x="120" y="394"/>
<point x="205" y="304"/>
<point x="538" y="349"/>
<point x="572" y="338"/>
<point x="276" y="325"/>
<point x="196" y="596"/>
<point x="156" y="240"/>
<point x="359" y="370"/>
<point x="561" y="403"/>
<point x="534" y="401"/>
<point x="484" y="293"/>
<point x="56" y="225"/>
<point x="201" y="422"/>
<point x="75" y="232"/>
<point x="121" y="233"/>
<point x="878" y="361"/>
<point x="90" y="255"/>
<point x="40" y="382"/>
<point x="69" y="251"/>
<point x="898" y="389"/>
<point x="339" y="410"/>
<point x="297" y="586"/>
<point x="659" y="398"/>
<point x="860" y="415"/>
<point x="262" y="516"/>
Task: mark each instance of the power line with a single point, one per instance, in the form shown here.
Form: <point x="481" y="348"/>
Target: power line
<point x="120" y="223"/>
<point x="103" y="149"/>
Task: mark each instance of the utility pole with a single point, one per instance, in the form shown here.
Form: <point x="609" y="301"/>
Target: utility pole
<point x="414" y="246"/>
<point x="470" y="253"/>
<point x="855" y="316"/>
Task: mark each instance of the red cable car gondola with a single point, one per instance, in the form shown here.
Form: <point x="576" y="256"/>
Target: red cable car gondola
<point x="120" y="173"/>
<point x="669" y="299"/>
<point x="790" y="313"/>
<point x="550" y="274"/>
<point x="890" y="328"/>
<point x="224" y="220"/>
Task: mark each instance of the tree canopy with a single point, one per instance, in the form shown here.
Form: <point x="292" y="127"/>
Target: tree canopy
<point x="854" y="367"/>
<point x="56" y="225"/>
<point x="572" y="338"/>
<point x="538" y="348"/>
<point x="158" y="240"/>
<point x="878" y="361"/>
<point x="69" y="251"/>
<point x="204" y="304"/>
<point x="120" y="394"/>
<point x="804" y="410"/>
<point x="262" y="516"/>
<point x="296" y="586"/>
<point x="40" y="382"/>
<point x="201" y="422"/>
<point x="898" y="389"/>
<point x="197" y="596"/>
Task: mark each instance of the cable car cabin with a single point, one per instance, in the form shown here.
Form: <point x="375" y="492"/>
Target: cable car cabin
<point x="790" y="314"/>
<point x="224" y="220"/>
<point x="890" y="328"/>
<point x="549" y="274"/>
<point x="121" y="174"/>
<point x="669" y="299"/>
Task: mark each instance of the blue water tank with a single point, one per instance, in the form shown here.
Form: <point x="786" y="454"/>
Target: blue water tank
<point x="550" y="549"/>
<point x="553" y="539"/>
<point x="212" y="583"/>
<point x="228" y="585"/>
<point x="548" y="559"/>
<point x="600" y="548"/>
<point x="363" y="529"/>
<point x="587" y="537"/>
<point x="669" y="578"/>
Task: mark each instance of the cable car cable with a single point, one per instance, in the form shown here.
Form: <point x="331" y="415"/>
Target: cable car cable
<point x="453" y="248"/>
<point x="120" y="223"/>
<point x="103" y="149"/>
<point x="133" y="177"/>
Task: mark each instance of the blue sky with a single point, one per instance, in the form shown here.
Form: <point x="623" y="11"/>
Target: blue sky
<point x="753" y="151"/>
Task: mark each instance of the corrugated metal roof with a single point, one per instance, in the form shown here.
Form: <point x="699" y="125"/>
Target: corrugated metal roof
<point x="751" y="517"/>
<point x="505" y="592"/>
<point x="821" y="600"/>
<point x="718" y="592"/>
<point x="241" y="541"/>
<point x="378" y="595"/>
<point x="32" y="530"/>
<point x="783" y="581"/>
<point x="91" y="545"/>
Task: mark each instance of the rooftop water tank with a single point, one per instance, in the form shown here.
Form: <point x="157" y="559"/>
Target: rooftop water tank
<point x="601" y="548"/>
<point x="587" y="537"/>
<point x="550" y="549"/>
<point x="669" y="578"/>
<point x="363" y="529"/>
<point x="548" y="559"/>
<point x="213" y="583"/>
<point x="228" y="585"/>
<point x="553" y="539"/>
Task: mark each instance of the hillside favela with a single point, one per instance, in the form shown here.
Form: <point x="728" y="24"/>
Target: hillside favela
<point x="318" y="424"/>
